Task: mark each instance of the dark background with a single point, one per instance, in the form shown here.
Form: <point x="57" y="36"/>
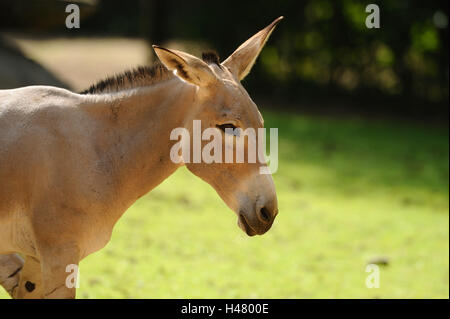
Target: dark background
<point x="321" y="55"/>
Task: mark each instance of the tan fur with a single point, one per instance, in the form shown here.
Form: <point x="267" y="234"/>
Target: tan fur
<point x="71" y="164"/>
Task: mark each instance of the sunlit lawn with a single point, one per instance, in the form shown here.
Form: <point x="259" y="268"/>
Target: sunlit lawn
<point x="349" y="191"/>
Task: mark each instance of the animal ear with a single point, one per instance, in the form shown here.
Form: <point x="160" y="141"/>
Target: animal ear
<point x="241" y="61"/>
<point x="188" y="67"/>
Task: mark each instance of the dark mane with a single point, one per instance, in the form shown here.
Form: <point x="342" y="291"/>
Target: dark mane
<point x="211" y="57"/>
<point x="141" y="76"/>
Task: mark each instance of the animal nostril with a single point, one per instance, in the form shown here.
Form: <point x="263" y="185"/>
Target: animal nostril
<point x="265" y="215"/>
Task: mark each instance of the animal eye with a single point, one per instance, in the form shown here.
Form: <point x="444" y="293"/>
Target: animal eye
<point x="224" y="126"/>
<point x="228" y="126"/>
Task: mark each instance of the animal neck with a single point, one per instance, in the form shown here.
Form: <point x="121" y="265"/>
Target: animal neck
<point x="134" y="140"/>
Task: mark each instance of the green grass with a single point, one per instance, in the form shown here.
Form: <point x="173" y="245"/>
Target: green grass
<point x="348" y="190"/>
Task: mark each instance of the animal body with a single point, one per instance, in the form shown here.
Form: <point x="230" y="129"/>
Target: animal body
<point x="71" y="164"/>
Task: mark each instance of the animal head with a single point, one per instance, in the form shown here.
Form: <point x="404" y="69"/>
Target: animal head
<point x="221" y="102"/>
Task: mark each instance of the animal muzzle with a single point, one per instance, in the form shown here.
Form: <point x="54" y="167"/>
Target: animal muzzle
<point x="259" y="221"/>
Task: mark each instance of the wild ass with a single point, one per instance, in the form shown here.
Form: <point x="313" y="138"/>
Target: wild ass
<point x="72" y="164"/>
